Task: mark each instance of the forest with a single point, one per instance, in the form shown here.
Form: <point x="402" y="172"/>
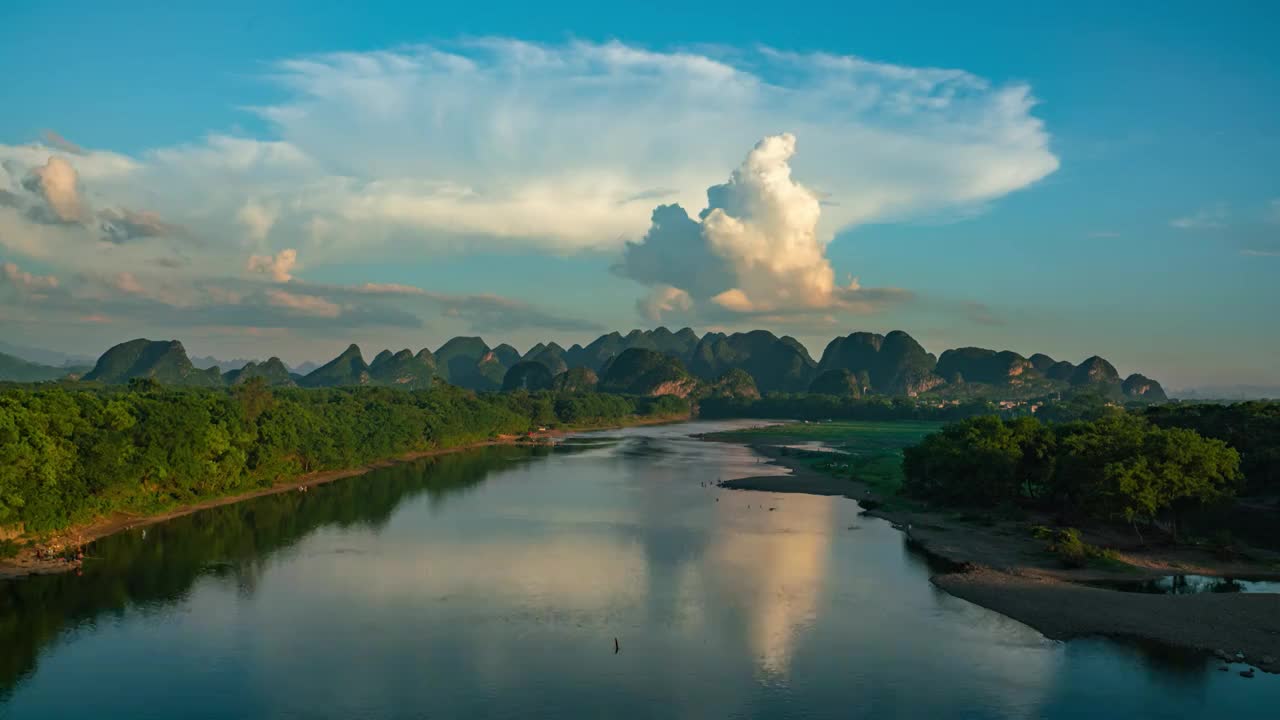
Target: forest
<point x="1118" y="468"/>
<point x="67" y="456"/>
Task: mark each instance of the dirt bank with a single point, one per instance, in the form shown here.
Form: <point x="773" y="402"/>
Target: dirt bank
<point x="1001" y="566"/>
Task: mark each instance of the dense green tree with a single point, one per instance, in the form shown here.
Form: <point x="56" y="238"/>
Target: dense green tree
<point x="1119" y="467"/>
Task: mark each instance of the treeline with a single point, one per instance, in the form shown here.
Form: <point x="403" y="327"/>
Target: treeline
<point x="1252" y="427"/>
<point x="68" y="456"/>
<point x="1063" y="407"/>
<point x="813" y="406"/>
<point x="1120" y="467"/>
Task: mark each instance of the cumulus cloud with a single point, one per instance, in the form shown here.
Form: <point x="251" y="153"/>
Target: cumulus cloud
<point x="495" y="142"/>
<point x="257" y="219"/>
<point x="754" y="250"/>
<point x="59" y="185"/>
<point x="121" y="225"/>
<point x="128" y="284"/>
<point x="493" y="145"/>
<point x="278" y="266"/>
<point x="663" y="300"/>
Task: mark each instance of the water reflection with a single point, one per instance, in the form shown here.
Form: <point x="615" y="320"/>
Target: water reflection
<point x="493" y="584"/>
<point x="153" y="568"/>
<point x="1193" y="585"/>
<point x="774" y="565"/>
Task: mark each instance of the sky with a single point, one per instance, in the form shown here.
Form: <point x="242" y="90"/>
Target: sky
<point x="1075" y="180"/>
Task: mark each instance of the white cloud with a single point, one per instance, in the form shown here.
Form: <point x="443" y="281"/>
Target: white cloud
<point x="257" y="219"/>
<point x="662" y="300"/>
<point x="57" y="182"/>
<point x="755" y="251"/>
<point x="493" y="142"/>
<point x="305" y="304"/>
<point x="278" y="266"/>
<point x="128" y="284"/>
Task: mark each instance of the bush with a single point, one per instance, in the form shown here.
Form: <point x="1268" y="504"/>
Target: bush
<point x="1066" y="544"/>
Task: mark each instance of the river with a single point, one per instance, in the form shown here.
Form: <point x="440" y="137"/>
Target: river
<point x="493" y="583"/>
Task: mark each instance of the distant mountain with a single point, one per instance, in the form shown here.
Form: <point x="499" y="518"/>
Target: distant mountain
<point x="163" y="361"/>
<point x="1095" y="371"/>
<point x="678" y="344"/>
<point x="403" y="369"/>
<point x="528" y="375"/>
<point x="777" y="364"/>
<point x="551" y="355"/>
<point x="348" y="368"/>
<point x="1060" y="371"/>
<point x="637" y="371"/>
<point x="663" y="361"/>
<point x="304" y="368"/>
<point x="1141" y="387"/>
<point x="841" y="383"/>
<point x="51" y="358"/>
<point x="895" y="363"/>
<point x="209" y="361"/>
<point x="272" y="370"/>
<point x="575" y="380"/>
<point x="1228" y="392"/>
<point x="468" y="362"/>
<point x="971" y="364"/>
<point x="15" y="369"/>
<point x="736" y="383"/>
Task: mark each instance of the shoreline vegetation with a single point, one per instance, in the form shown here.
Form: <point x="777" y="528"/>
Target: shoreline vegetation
<point x="78" y="466"/>
<point x="26" y="562"/>
<point x="1004" y="565"/>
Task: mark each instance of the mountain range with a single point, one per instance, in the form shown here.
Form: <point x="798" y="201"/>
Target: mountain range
<point x="660" y="361"/>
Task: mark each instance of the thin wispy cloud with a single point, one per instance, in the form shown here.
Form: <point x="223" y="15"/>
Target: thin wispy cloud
<point x="1203" y="219"/>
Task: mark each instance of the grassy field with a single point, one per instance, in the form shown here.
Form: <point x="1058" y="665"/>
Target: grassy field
<point x="870" y="452"/>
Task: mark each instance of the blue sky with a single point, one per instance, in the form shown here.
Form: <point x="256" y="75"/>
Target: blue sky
<point x="1086" y="179"/>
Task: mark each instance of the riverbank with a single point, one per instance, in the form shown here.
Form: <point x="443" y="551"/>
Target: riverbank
<point x="48" y="555"/>
<point x="1002" y="567"/>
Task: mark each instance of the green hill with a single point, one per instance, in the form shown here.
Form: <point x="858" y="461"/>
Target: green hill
<point x="841" y="383"/>
<point x="550" y="354"/>
<point x="678" y="344"/>
<point x="637" y="371"/>
<point x="1095" y="371"/>
<point x="403" y="369"/>
<point x="468" y="362"/>
<point x="527" y="375"/>
<point x="895" y="363"/>
<point x="575" y="380"/>
<point x="1141" y="387"/>
<point x="776" y="364"/>
<point x="348" y="368"/>
<point x="981" y="365"/>
<point x="736" y="383"/>
<point x="271" y="370"/>
<point x="163" y="361"/>
<point x="14" y="369"/>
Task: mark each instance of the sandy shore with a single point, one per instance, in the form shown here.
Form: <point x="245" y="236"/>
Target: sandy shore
<point x="27" y="563"/>
<point x="1003" y="568"/>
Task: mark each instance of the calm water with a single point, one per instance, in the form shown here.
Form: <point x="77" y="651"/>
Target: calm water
<point x="1194" y="585"/>
<point x="492" y="584"/>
